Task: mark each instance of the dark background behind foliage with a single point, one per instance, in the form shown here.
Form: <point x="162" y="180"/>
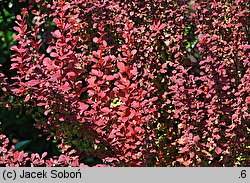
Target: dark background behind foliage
<point x="18" y="123"/>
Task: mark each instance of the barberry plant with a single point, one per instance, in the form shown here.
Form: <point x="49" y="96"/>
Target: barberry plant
<point x="138" y="83"/>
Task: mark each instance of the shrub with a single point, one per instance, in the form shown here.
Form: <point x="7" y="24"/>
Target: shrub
<point x="12" y="158"/>
<point x="139" y="83"/>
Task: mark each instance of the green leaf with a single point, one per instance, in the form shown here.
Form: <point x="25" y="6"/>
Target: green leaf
<point x="187" y="30"/>
<point x="190" y="8"/>
<point x="21" y="145"/>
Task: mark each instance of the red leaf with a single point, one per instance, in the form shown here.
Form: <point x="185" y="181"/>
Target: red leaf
<point x="97" y="53"/>
<point x="100" y="122"/>
<point x="122" y="107"/>
<point x="225" y="87"/>
<point x="110" y="78"/>
<point x="121" y="87"/>
<point x="54" y="77"/>
<point x="121" y="66"/>
<point x="16" y="154"/>
<point x="152" y="27"/>
<point x="248" y="100"/>
<point x="57" y="21"/>
<point x="41" y="104"/>
<point x="162" y="26"/>
<point x="46" y="112"/>
<point x="181" y="160"/>
<point x="18" y="17"/>
<point x="218" y="150"/>
<point x="49" y="64"/>
<point x="27" y="98"/>
<point x="91" y="81"/>
<point x="71" y="74"/>
<point x="44" y="154"/>
<point x="187" y="163"/>
<point x="134" y="71"/>
<point x="105" y="110"/>
<point x="53" y="54"/>
<point x="200" y="37"/>
<point x="65" y="87"/>
<point x="138" y="129"/>
<point x="96" y="73"/>
<point x="18" y="29"/>
<point x="66" y="6"/>
<point x="133" y="52"/>
<point x="124" y="119"/>
<point x="104" y="43"/>
<point x="245" y="47"/>
<point x="210" y="111"/>
<point x="95" y="40"/>
<point x="185" y="149"/>
<point x="196" y="138"/>
<point x="32" y="82"/>
<point x="83" y="106"/>
<point x="57" y="34"/>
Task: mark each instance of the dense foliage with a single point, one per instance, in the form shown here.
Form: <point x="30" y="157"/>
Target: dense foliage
<point x="137" y="83"/>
